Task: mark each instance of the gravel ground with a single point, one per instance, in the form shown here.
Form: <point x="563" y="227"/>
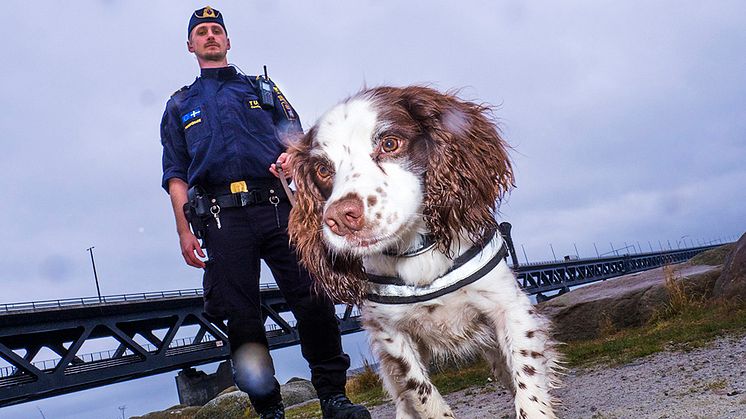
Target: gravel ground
<point x="705" y="382"/>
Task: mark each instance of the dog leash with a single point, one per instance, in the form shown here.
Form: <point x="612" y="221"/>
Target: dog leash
<point x="284" y="183"/>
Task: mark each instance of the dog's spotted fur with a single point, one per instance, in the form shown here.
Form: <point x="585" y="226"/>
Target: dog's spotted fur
<point x="375" y="175"/>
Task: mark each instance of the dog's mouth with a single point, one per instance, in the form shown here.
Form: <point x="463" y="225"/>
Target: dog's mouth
<point x="364" y="242"/>
<point x="360" y="244"/>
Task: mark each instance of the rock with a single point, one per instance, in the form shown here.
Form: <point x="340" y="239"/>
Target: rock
<point x="236" y="404"/>
<point x="296" y="391"/>
<point x="230" y="389"/>
<point x="732" y="282"/>
<point x="233" y="405"/>
<point x="175" y="412"/>
<point x="196" y="388"/>
<point x="713" y="257"/>
<point x="628" y="301"/>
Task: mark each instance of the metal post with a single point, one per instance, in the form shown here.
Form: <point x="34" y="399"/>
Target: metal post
<point x="576" y="250"/>
<point x="651" y="246"/>
<point x="505" y="228"/>
<point x="669" y="245"/>
<point x="524" y="254"/>
<point x="553" y="255"/>
<point x="659" y="244"/>
<point x="95" y="276"/>
<point x="594" y="246"/>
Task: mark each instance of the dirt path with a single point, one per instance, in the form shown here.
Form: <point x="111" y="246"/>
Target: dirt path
<point x="705" y="382"/>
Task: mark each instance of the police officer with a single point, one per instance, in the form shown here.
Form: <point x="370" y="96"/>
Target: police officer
<point x="220" y="140"/>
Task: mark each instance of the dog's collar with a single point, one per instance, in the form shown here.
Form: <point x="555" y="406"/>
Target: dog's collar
<point x="467" y="268"/>
<point x="428" y="243"/>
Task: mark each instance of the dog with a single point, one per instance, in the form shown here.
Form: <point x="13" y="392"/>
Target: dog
<point x="397" y="192"/>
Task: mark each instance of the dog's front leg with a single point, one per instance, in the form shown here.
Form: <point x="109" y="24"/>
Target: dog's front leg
<point x="528" y="352"/>
<point x="404" y="374"/>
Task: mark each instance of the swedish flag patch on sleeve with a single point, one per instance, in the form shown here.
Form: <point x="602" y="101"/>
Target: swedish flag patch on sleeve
<point x="192" y="117"/>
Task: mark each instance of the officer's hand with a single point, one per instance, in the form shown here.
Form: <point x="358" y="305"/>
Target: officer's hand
<point x="285" y="163"/>
<point x="190" y="244"/>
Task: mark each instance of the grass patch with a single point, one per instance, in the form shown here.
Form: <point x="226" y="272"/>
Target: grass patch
<point x="366" y="387"/>
<point x="682" y="301"/>
<point x="693" y="327"/>
<point x="714" y="256"/>
<point x="453" y="379"/>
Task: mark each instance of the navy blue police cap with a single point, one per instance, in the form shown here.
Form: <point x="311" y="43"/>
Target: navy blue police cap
<point x="205" y="15"/>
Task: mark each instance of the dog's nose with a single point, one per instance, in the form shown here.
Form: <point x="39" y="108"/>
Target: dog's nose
<point x="345" y="215"/>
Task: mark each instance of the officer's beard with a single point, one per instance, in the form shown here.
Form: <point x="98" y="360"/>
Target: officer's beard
<point x="214" y="56"/>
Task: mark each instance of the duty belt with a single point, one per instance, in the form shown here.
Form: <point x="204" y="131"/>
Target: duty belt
<point x="243" y="199"/>
<point x="257" y="192"/>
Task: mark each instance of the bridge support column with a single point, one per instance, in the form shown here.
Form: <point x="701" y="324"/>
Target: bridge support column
<point x="196" y="388"/>
<point x="540" y="298"/>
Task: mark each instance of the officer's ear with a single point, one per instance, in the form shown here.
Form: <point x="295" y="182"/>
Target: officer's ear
<point x="227" y="44"/>
<point x="190" y="47"/>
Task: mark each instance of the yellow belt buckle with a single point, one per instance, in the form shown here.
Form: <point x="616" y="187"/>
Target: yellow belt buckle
<point x="239" y="186"/>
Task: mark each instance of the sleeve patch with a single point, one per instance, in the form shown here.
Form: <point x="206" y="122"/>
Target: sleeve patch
<point x="289" y="113"/>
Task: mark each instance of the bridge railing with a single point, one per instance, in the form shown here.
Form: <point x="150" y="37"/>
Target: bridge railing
<point x="105" y="299"/>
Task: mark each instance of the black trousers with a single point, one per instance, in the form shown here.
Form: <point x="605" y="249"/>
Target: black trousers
<point x="231" y="290"/>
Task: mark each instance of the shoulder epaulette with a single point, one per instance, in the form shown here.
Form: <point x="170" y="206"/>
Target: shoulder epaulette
<point x="180" y="90"/>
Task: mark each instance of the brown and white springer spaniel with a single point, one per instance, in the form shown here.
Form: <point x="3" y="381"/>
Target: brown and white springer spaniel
<point x="398" y="184"/>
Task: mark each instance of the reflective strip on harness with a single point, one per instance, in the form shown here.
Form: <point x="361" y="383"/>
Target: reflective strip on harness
<point x="471" y="266"/>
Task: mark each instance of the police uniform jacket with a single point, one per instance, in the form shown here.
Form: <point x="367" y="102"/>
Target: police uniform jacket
<point x="215" y="131"/>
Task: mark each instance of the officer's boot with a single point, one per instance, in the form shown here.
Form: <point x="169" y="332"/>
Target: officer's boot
<point x="339" y="406"/>
<point x="273" y="412"/>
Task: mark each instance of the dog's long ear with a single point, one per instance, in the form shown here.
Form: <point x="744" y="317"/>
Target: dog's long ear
<point x="469" y="169"/>
<point x="340" y="277"/>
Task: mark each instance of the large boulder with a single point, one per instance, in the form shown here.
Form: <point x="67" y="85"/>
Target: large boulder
<point x="233" y="405"/>
<point x="297" y="390"/>
<point x="174" y="412"/>
<point x="732" y="283"/>
<point x="628" y="301"/>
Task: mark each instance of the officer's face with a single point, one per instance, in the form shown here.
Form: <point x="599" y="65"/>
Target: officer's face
<point x="208" y="41"/>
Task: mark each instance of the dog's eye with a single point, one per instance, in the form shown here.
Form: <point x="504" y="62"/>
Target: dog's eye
<point x="323" y="171"/>
<point x="389" y="144"/>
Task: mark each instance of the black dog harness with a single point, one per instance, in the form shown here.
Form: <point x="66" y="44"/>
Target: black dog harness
<point x="467" y="268"/>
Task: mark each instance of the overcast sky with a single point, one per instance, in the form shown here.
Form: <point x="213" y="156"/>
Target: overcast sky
<point x="628" y="121"/>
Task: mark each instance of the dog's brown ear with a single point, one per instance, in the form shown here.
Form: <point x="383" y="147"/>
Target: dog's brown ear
<point x="469" y="168"/>
<point x="340" y="277"/>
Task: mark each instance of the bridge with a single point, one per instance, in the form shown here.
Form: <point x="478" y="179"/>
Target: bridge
<point x="153" y="333"/>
